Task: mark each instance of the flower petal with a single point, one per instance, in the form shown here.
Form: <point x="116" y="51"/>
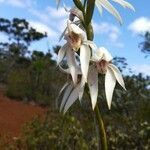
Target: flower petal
<point x="124" y="4"/>
<point x="118" y="75"/>
<point x="62" y="35"/>
<point x="106" y="54"/>
<point x="67" y="70"/>
<point x="85" y="54"/>
<point x="72" y="64"/>
<point x="68" y="90"/>
<point x="62" y="53"/>
<point x="110" y="82"/>
<point x="93" y="84"/>
<point x="72" y="98"/>
<point x="81" y="91"/>
<point x="76" y="12"/>
<point x="107" y="5"/>
<point x="61" y="91"/>
<point x="76" y="29"/>
<point x="101" y="54"/>
<point x="90" y="43"/>
<point x="63" y="88"/>
<point x="58" y="3"/>
<point x="100" y="9"/>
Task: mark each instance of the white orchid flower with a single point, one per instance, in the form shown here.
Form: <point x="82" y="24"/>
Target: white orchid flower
<point x="110" y="8"/>
<point x="103" y="65"/>
<point x="76" y="39"/>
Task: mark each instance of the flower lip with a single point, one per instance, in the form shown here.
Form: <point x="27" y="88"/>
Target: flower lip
<point x="74" y="36"/>
<point x="74" y="40"/>
<point x="102" y="66"/>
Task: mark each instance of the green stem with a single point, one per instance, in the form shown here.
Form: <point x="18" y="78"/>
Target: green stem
<point x="89" y="31"/>
<point x="103" y="138"/>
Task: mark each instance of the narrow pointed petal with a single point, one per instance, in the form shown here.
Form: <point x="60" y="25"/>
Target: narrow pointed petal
<point x="81" y="90"/>
<point x="81" y="93"/>
<point x="71" y="99"/>
<point x="68" y="90"/>
<point x="110" y="82"/>
<point x="63" y="88"/>
<point x="69" y="27"/>
<point x="124" y="4"/>
<point x="85" y="55"/>
<point x="62" y="35"/>
<point x="62" y="53"/>
<point x="58" y="3"/>
<point x="118" y="75"/>
<point x="93" y="85"/>
<point x="107" y="5"/>
<point x="64" y="70"/>
<point x="76" y="29"/>
<point x="100" y="9"/>
<point x="61" y="91"/>
<point x="67" y="70"/>
<point x="72" y="64"/>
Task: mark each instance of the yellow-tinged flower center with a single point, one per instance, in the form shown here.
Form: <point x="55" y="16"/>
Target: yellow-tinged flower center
<point x="102" y="66"/>
<point x="75" y="41"/>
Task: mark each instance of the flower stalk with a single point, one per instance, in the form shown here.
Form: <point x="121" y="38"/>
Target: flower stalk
<point x="90" y="35"/>
<point x="93" y="60"/>
<point x="101" y="127"/>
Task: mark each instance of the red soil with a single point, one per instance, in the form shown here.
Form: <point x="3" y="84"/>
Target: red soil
<point x="14" y="114"/>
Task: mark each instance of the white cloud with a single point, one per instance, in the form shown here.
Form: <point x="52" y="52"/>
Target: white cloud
<point x="3" y="37"/>
<point x="43" y="28"/>
<point x="52" y="17"/>
<point x="51" y="20"/>
<point x="144" y="68"/>
<point x="18" y="3"/>
<point x="43" y="16"/>
<point x="105" y="27"/>
<point x="111" y="31"/>
<point x="48" y="19"/>
<point x="140" y="25"/>
<point x="61" y="25"/>
<point x="54" y="13"/>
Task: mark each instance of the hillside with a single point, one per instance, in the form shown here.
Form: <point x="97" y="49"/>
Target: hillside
<point x="14" y="114"/>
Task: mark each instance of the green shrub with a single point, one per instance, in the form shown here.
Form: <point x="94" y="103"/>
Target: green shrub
<point x="39" y="82"/>
<point x="62" y="133"/>
<point x="19" y="84"/>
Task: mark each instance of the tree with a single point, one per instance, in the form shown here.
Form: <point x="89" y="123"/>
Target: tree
<point x="145" y="45"/>
<point x="20" y="35"/>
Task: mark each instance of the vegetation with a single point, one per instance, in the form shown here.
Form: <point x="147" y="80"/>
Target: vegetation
<point x="33" y="76"/>
<point x="145" y="45"/>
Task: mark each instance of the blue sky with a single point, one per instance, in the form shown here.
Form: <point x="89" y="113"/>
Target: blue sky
<point x="119" y="40"/>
